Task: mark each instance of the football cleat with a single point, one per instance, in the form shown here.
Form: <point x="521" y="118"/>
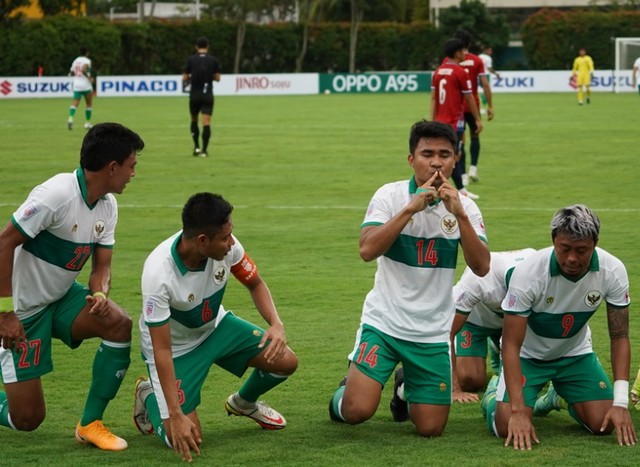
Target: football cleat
<point x="70" y="123"/>
<point x="140" y="414"/>
<point x="468" y="194"/>
<point x="547" y="402"/>
<point x="97" y="434"/>
<point x="87" y="125"/>
<point x="261" y="413"/>
<point x="465" y="179"/>
<point x="489" y="394"/>
<point x="398" y="406"/>
<point x="203" y="154"/>
<point x="473" y="173"/>
<point x="196" y="152"/>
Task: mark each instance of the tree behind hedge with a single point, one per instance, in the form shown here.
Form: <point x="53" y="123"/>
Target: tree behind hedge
<point x="553" y="38"/>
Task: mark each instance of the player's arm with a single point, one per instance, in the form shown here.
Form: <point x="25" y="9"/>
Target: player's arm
<point x="216" y="76"/>
<point x="376" y="239"/>
<point x="100" y="281"/>
<point x="434" y="104"/>
<point x="11" y="329"/>
<point x="247" y="273"/>
<point x="473" y="108"/>
<point x="486" y="87"/>
<point x="520" y="428"/>
<point x="618" y="414"/>
<point x="184" y="433"/>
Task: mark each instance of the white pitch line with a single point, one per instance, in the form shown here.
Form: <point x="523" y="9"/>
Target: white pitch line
<point x="345" y="207"/>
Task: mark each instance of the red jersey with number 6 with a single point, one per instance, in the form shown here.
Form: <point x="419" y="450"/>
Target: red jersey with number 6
<point x="450" y="82"/>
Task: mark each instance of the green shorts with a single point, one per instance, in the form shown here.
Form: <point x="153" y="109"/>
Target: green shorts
<point x="471" y="341"/>
<point x="231" y="346"/>
<point x="79" y="94"/>
<point x="575" y="379"/>
<point x="32" y="359"/>
<point x="427" y="367"/>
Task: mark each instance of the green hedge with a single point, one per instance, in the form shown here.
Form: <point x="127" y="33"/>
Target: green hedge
<point x="158" y="47"/>
<point x="551" y="38"/>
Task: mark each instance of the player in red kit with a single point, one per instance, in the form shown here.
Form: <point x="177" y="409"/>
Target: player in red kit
<point x="451" y="89"/>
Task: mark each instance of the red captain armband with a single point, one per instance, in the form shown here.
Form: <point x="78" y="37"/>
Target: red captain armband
<point x="245" y="270"/>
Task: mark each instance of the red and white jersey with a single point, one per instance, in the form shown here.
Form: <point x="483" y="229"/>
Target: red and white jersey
<point x="451" y="82"/>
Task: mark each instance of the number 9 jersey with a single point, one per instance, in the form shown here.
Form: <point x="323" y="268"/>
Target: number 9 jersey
<point x="558" y="308"/>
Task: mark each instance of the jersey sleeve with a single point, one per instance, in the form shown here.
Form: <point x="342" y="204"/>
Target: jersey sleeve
<point x="464" y="292"/>
<point x="155" y="295"/>
<point x="108" y="238"/>
<point x="45" y="204"/>
<point x="379" y="210"/>
<point x="618" y="292"/>
<point x="520" y="294"/>
<point x="465" y="81"/>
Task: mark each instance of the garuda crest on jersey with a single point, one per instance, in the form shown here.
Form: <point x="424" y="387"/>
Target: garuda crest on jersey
<point x="593" y="299"/>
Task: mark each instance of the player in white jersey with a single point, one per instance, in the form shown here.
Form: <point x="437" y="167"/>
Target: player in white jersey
<point x="82" y="87"/>
<point x="635" y="73"/>
<point x="487" y="60"/>
<point x="551" y="297"/>
<point x="64" y="222"/>
<point x="185" y="330"/>
<point x="412" y="228"/>
<point x="478" y="319"/>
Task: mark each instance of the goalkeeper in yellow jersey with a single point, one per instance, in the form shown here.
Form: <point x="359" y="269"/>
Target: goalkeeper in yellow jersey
<point x="582" y="71"/>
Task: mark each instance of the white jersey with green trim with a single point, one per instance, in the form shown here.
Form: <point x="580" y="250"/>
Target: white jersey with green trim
<point x="79" y="66"/>
<point x="189" y="300"/>
<point x="480" y="297"/>
<point x="411" y="297"/>
<point x="62" y="231"/>
<point x="557" y="307"/>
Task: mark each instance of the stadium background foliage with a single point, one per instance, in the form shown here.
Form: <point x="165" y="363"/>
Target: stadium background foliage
<point x="157" y="47"/>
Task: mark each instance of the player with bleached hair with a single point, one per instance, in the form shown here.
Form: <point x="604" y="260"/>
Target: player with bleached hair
<point x="546" y="337"/>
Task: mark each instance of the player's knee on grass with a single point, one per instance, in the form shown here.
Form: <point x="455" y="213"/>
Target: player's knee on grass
<point x="355" y="411"/>
<point x="28" y="419"/>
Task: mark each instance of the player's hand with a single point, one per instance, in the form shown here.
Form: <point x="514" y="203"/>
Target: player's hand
<point x="621" y="420"/>
<point x="521" y="432"/>
<point x="450" y="196"/>
<point x="278" y="346"/>
<point x="99" y="305"/>
<point x="464" y="397"/>
<point x="490" y="113"/>
<point x="425" y="194"/>
<point x="11" y="330"/>
<point x="479" y="126"/>
<point x="184" y="436"/>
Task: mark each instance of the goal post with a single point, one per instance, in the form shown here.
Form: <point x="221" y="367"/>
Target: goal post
<point x="627" y="51"/>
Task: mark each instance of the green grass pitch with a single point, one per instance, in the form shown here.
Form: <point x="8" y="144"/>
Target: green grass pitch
<point x="300" y="171"/>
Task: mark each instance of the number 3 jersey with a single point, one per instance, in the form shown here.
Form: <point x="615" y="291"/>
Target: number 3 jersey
<point x="189" y="300"/>
<point x="412" y="295"/>
<point x="558" y="307"/>
<point x="62" y="231"/>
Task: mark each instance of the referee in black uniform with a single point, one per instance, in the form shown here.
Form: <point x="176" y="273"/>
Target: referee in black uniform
<point x="199" y="73"/>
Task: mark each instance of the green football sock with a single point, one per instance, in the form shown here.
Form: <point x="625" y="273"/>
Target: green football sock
<point x="87" y="113"/>
<point x="336" y="402"/>
<point x="258" y="383"/>
<point x="153" y="411"/>
<point x="4" y="411"/>
<point x="72" y="111"/>
<point x="109" y="368"/>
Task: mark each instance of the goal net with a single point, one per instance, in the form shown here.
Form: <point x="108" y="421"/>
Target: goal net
<point x="627" y="51"/>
